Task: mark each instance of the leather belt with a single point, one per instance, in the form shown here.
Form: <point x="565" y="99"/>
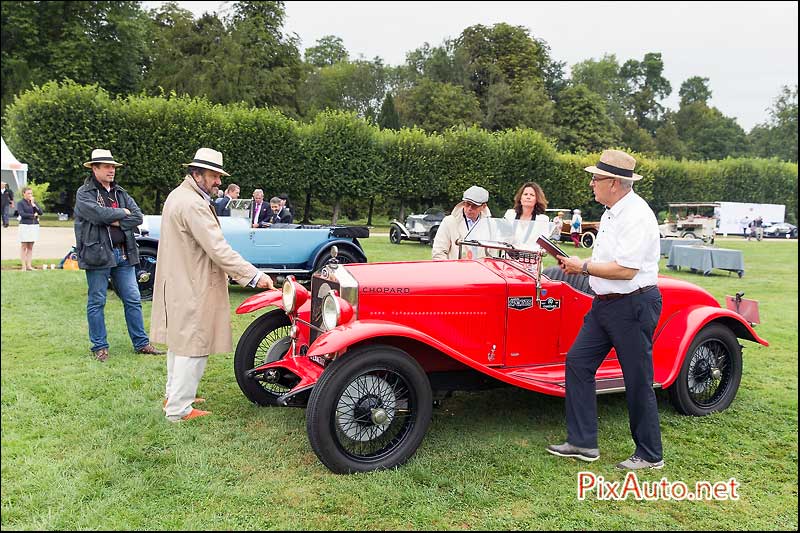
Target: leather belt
<point x="614" y="295"/>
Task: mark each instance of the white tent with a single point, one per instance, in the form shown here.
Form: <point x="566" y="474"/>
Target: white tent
<point x="14" y="172"/>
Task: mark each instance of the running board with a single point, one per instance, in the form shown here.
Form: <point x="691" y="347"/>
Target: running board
<point x="608" y="378"/>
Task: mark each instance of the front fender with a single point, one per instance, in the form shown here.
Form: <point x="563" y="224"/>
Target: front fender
<point x="401" y="227"/>
<point x="672" y="341"/>
<point x="260" y="300"/>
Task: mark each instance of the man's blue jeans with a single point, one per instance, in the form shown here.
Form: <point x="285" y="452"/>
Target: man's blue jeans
<point x="124" y="278"/>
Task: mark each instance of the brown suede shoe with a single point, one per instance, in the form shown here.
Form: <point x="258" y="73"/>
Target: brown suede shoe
<point x="149" y="349"/>
<point x="195" y="413"/>
<point x="101" y="354"/>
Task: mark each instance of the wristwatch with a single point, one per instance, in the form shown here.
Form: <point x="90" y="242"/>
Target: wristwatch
<point x="585" y="268"/>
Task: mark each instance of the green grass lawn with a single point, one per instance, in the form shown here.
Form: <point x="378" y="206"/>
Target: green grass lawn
<point x="85" y="445"/>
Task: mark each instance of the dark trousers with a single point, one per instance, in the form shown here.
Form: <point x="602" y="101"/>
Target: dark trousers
<point x="626" y="324"/>
<point x="5" y="215"/>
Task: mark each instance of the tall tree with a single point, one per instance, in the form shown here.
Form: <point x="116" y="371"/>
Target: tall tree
<point x="435" y="106"/>
<point x="388" y="117"/>
<point x="328" y="51"/>
<point x="778" y="136"/>
<point x="695" y="89"/>
<point x="99" y="42"/>
<point x="708" y="133"/>
<point x="646" y="86"/>
<point x="583" y="122"/>
<point x="358" y="86"/>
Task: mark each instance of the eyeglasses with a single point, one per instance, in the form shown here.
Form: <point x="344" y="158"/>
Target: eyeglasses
<point x="596" y="179"/>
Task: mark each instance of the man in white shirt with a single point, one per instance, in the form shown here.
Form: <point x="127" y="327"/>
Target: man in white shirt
<point x="623" y="272"/>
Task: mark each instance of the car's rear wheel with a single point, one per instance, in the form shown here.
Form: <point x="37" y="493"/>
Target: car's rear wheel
<point x="432" y="235"/>
<point x="587" y="239"/>
<point x="369" y="410"/>
<point x="395" y="235"/>
<point x="689" y="235"/>
<point x="342" y="258"/>
<point x="264" y="341"/>
<point x="711" y="373"/>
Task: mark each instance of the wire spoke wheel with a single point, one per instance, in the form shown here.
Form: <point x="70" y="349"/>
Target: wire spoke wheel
<point x="265" y="340"/>
<point x="369" y="410"/>
<point x="373" y="414"/>
<point x="709" y="373"/>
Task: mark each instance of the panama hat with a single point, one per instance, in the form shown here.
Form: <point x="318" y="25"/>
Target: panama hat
<point x="615" y="164"/>
<point x="476" y="195"/>
<point x="208" y="158"/>
<point x="100" y="156"/>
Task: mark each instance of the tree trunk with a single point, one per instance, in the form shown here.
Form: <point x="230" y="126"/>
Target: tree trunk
<point x="402" y="211"/>
<point x="158" y="202"/>
<point x="307" y="210"/>
<point x="369" y="213"/>
<point x="336" y="208"/>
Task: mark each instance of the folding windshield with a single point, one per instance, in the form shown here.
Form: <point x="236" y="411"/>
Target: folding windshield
<point x="503" y="233"/>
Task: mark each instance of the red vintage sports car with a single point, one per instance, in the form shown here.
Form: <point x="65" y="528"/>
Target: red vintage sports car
<point x="370" y="348"/>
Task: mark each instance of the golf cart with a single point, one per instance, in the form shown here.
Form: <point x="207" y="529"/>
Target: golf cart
<point x="691" y="220"/>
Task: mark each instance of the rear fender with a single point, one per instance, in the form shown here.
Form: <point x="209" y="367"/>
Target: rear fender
<point x="342" y="244"/>
<point x="673" y="339"/>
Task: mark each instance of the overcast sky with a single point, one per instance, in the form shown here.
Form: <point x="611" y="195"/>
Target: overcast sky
<point x="748" y="50"/>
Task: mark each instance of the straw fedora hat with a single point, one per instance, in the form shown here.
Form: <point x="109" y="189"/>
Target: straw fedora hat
<point x="615" y="164"/>
<point x="100" y="156"/>
<point x="207" y="158"/>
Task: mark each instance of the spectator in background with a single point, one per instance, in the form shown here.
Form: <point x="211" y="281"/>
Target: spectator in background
<point x="575" y="227"/>
<point x="7" y="202"/>
<point x="29" y="214"/>
<point x="745" y="222"/>
<point x="276" y="213"/>
<point x="558" y="223"/>
<point x="105" y="217"/>
<point x="287" y="209"/>
<point x="222" y="205"/>
<point x="758" y="228"/>
<point x="529" y="201"/>
<point x="258" y="211"/>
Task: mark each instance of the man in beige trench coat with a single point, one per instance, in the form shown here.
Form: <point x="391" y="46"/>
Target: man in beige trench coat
<point x="191" y="307"/>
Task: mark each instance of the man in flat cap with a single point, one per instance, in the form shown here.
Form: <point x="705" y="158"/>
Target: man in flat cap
<point x="457" y="224"/>
<point x="623" y="272"/>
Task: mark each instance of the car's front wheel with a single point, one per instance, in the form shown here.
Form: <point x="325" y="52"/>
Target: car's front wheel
<point x="395" y="235"/>
<point x="264" y="341"/>
<point x="343" y="257"/>
<point x="369" y="410"/>
<point x="711" y="373"/>
<point x="146" y="272"/>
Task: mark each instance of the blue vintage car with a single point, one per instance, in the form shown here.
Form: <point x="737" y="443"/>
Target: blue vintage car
<point x="281" y="249"/>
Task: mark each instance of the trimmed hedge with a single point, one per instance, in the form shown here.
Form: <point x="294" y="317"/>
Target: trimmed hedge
<point x="339" y="156"/>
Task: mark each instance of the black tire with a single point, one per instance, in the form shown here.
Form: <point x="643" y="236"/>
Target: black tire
<point x="432" y="235"/>
<point x="587" y="239"/>
<point x="710" y="374"/>
<point x="371" y="381"/>
<point x="688" y="235"/>
<point x="344" y="257"/>
<point x="395" y="235"/>
<point x="146" y="272"/>
<point x="253" y="349"/>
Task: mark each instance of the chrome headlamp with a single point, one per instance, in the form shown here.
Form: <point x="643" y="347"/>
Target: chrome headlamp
<point x="331" y="311"/>
<point x="289" y="296"/>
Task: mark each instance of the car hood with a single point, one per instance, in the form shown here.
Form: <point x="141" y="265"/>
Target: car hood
<point x="429" y="278"/>
<point x="152" y="223"/>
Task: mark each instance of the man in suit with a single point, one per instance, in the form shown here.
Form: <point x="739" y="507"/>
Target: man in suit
<point x="278" y="214"/>
<point x="222" y="205"/>
<point x="259" y="212"/>
<point x="7" y="203"/>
